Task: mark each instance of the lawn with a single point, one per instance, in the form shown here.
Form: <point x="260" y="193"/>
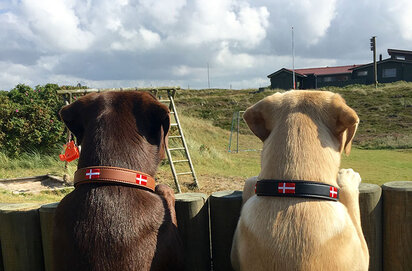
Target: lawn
<point x="380" y="166"/>
<point x="216" y="168"/>
<point x="206" y="117"/>
<point x="220" y="170"/>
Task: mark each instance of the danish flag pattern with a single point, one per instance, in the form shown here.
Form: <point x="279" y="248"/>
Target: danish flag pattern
<point x="333" y="192"/>
<point x="286" y="188"/>
<point x="141" y="179"/>
<point x="93" y="173"/>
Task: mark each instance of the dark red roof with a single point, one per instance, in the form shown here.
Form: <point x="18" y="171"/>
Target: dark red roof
<point x="326" y="70"/>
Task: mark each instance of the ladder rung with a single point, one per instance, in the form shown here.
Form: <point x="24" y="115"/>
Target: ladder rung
<point x="164" y="101"/>
<point x="180" y="161"/>
<point x="184" y="173"/>
<point x="175" y="136"/>
<point x="173" y="124"/>
<point x="176" y="149"/>
<point x="171" y="112"/>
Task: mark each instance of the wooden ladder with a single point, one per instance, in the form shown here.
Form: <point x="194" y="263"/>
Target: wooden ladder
<point x="175" y="145"/>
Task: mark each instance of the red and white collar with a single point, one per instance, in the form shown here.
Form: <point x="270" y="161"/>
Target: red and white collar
<point x="296" y="188"/>
<point x="104" y="174"/>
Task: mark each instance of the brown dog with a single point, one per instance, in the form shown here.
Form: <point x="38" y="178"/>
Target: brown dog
<point x="113" y="226"/>
<point x="304" y="134"/>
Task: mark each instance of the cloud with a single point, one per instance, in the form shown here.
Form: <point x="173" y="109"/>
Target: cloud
<point x="401" y="12"/>
<point x="48" y="62"/>
<point x="56" y="24"/>
<point x="225" y="20"/>
<point x="12" y="74"/>
<point x="122" y="42"/>
<point x="226" y="59"/>
<point x="163" y="11"/>
<point x="136" y="40"/>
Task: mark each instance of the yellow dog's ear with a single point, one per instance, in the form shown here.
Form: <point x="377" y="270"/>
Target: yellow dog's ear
<point x="257" y="117"/>
<point x="345" y="124"/>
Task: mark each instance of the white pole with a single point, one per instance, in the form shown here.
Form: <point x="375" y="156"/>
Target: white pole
<point x="208" y="79"/>
<point x="293" y="60"/>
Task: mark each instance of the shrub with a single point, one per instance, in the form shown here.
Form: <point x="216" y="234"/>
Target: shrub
<point x="29" y="120"/>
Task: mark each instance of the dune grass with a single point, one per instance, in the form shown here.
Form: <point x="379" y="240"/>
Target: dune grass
<point x="216" y="168"/>
<point x="42" y="197"/>
<point x="385" y="113"/>
<point x="380" y="166"/>
<point x="32" y="164"/>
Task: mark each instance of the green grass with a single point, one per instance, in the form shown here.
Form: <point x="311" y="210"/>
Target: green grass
<point x="42" y="197"/>
<point x="385" y="113"/>
<point x="206" y="117"/>
<point x="380" y="166"/>
<point x="32" y="164"/>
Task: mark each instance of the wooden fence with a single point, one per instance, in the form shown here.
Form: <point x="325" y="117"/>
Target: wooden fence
<point x="207" y="224"/>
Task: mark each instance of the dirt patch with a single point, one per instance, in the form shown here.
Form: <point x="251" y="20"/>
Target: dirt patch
<point x="208" y="183"/>
<point x="33" y="184"/>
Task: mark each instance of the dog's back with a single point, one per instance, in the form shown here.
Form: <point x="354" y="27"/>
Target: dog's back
<point x="114" y="228"/>
<point x="297" y="234"/>
<point x="304" y="133"/>
<point x="117" y="227"/>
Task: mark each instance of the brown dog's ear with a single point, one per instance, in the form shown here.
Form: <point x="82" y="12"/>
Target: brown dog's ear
<point x="346" y="123"/>
<point x="72" y="116"/>
<point x="155" y="126"/>
<point x="255" y="119"/>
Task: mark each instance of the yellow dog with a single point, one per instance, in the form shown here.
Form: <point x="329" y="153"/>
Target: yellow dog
<point x="304" y="134"/>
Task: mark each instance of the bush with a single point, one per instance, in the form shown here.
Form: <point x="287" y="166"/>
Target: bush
<point x="29" y="120"/>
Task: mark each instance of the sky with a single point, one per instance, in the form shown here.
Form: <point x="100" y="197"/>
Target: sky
<point x="153" y="43"/>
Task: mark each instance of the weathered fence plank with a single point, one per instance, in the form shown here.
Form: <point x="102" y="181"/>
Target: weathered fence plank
<point x="1" y="260"/>
<point x="47" y="224"/>
<point x="26" y="231"/>
<point x="21" y="237"/>
<point x="397" y="226"/>
<point x="193" y="224"/>
<point x="224" y="213"/>
<point x="371" y="218"/>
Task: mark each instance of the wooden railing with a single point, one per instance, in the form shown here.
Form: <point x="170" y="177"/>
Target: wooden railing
<point x="207" y="224"/>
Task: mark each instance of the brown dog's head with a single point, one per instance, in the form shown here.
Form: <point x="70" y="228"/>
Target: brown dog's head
<point x="298" y="127"/>
<point x="122" y="129"/>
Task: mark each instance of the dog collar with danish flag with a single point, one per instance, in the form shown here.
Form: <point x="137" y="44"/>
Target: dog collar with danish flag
<point x="303" y="189"/>
<point x="103" y="174"/>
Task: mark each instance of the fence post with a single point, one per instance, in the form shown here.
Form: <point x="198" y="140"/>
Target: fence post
<point x="237" y="134"/>
<point x="397" y="225"/>
<point x="224" y="214"/>
<point x="47" y="225"/>
<point x="193" y="223"/>
<point x="1" y="260"/>
<point x="371" y="219"/>
<point x="21" y="237"/>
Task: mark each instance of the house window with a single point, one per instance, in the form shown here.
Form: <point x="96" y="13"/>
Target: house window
<point x="389" y="73"/>
<point x="328" y="79"/>
<point x="362" y="73"/>
<point x="342" y="78"/>
<point x="400" y="57"/>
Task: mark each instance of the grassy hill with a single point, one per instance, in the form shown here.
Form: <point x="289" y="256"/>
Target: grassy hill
<point x="385" y="113"/>
<point x="216" y="168"/>
<point x="386" y="122"/>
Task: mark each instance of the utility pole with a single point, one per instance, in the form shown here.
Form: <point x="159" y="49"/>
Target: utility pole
<point x="293" y="60"/>
<point x="208" y="78"/>
<point x="375" y="68"/>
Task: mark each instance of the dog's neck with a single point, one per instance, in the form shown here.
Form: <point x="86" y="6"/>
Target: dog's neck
<point x="299" y="149"/>
<point x="93" y="157"/>
<point x="115" y="148"/>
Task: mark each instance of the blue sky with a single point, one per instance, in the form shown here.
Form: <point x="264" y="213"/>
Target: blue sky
<point x="129" y="43"/>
